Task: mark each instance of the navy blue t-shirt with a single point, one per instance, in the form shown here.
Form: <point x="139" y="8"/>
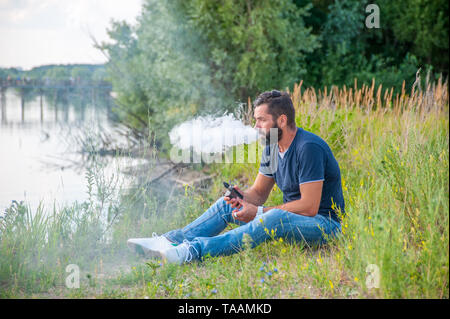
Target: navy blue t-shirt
<point x="308" y="159"/>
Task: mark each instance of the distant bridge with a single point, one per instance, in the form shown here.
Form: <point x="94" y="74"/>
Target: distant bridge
<point x="52" y="84"/>
<point x="40" y="86"/>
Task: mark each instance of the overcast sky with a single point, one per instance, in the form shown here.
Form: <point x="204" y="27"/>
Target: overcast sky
<point x="38" y="32"/>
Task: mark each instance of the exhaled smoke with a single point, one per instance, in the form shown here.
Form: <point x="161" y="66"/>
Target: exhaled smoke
<point x="212" y="135"/>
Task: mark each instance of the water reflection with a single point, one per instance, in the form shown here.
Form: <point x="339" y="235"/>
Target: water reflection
<point x="40" y="134"/>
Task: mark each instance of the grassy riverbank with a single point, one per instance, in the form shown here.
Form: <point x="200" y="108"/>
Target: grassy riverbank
<point x="393" y="154"/>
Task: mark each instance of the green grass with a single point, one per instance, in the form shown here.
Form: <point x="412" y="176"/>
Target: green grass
<point x="395" y="169"/>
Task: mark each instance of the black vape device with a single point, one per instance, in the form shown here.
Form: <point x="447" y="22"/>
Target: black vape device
<point x="231" y="191"/>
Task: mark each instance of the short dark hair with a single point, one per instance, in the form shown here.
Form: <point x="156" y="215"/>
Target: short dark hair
<point x="278" y="103"/>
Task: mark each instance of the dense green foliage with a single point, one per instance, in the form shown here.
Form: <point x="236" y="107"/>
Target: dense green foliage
<point x="158" y="69"/>
<point x="188" y="57"/>
<point x="253" y="45"/>
<point x="412" y="34"/>
<point x="196" y="56"/>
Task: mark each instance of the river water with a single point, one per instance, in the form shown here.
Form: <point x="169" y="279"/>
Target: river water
<point x="41" y="144"/>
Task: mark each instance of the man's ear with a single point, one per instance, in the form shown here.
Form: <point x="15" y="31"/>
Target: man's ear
<point x="282" y="121"/>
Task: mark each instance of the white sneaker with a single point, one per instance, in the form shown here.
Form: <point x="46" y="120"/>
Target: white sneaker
<point x="179" y="254"/>
<point x="150" y="247"/>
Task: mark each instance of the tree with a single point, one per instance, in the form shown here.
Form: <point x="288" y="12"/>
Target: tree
<point x="422" y="26"/>
<point x="349" y="50"/>
<point x="253" y="46"/>
<point x="82" y="73"/>
<point x="185" y="58"/>
<point x="158" y="72"/>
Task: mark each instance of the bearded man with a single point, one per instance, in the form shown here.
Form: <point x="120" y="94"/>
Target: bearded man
<point x="303" y="167"/>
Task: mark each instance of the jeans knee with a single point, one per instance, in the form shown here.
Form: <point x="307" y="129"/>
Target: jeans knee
<point x="222" y="208"/>
<point x="221" y="203"/>
<point x="272" y="217"/>
<point x="275" y="214"/>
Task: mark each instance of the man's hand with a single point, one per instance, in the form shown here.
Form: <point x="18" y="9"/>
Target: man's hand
<point x="247" y="213"/>
<point x="233" y="201"/>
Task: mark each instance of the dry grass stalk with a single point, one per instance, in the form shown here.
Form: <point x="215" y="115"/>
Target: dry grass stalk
<point x="434" y="98"/>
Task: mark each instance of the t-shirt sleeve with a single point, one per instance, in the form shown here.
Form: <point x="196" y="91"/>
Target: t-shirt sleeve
<point x="312" y="164"/>
<point x="261" y="171"/>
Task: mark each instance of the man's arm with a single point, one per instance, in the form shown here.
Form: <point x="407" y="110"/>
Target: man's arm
<point x="308" y="205"/>
<point x="260" y="190"/>
<point x="258" y="193"/>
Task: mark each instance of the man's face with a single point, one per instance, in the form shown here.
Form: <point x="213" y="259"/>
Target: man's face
<point x="264" y="122"/>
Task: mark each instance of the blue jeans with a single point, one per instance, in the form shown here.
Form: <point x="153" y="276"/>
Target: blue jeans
<point x="203" y="233"/>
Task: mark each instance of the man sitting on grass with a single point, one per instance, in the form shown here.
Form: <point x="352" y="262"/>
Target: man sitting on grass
<point x="303" y="167"/>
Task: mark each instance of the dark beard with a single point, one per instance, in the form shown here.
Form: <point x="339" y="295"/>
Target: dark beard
<point x="279" y="131"/>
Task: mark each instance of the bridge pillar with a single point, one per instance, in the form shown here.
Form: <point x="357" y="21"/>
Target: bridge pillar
<point x="56" y="110"/>
<point x="41" y="106"/>
<point x="3" y="104"/>
<point x="22" y="103"/>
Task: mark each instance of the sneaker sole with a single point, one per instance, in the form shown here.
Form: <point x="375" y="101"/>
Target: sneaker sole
<point x="144" y="251"/>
